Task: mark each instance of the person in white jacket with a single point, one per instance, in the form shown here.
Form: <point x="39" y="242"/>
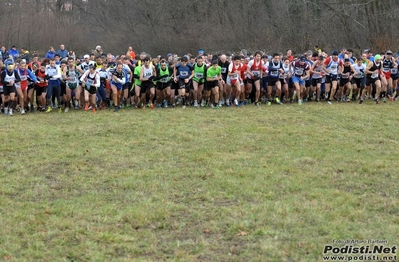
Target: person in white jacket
<point x="53" y="72"/>
<point x="90" y="82"/>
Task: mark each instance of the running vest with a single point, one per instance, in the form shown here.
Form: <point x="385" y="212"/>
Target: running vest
<point x="136" y="75"/>
<point x="387" y="65"/>
<point x="164" y="75"/>
<point x="103" y="75"/>
<point x="147" y="72"/>
<point x="90" y="80"/>
<point x="73" y="75"/>
<point x="286" y="69"/>
<point x="256" y="68"/>
<point x="318" y="72"/>
<point x="184" y="72"/>
<point x="237" y="71"/>
<point x="373" y="68"/>
<point x="199" y="72"/>
<point x="23" y="74"/>
<point x="347" y="69"/>
<point x="41" y="76"/>
<point x="224" y="67"/>
<point x="274" y="69"/>
<point x="333" y="66"/>
<point x="8" y="78"/>
<point x="359" y="70"/>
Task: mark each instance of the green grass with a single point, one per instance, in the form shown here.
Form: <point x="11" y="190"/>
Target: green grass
<point x="241" y="184"/>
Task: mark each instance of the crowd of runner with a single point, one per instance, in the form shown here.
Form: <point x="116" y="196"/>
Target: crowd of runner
<point x="61" y="81"/>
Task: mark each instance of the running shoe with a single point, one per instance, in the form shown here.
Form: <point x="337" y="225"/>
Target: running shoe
<point x="10" y="112"/>
<point x="23" y="112"/>
<point x="278" y="101"/>
<point x="49" y="109"/>
<point x="66" y="110"/>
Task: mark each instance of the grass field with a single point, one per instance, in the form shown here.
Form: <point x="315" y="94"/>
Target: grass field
<point x="240" y="184"/>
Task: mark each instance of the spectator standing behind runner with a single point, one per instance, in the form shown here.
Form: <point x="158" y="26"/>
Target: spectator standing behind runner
<point x="4" y="54"/>
<point x="50" y="53"/>
<point x="14" y="52"/>
<point x="63" y="53"/>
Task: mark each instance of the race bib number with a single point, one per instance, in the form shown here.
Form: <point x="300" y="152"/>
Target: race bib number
<point x="89" y="82"/>
<point x="199" y="75"/>
<point x="224" y="70"/>
<point x="184" y="73"/>
<point x="274" y="73"/>
<point x="9" y="78"/>
<point x="24" y="77"/>
<point x="375" y="75"/>
<point x="235" y="76"/>
<point x="164" y="80"/>
<point x="51" y="72"/>
<point x="299" y="72"/>
<point x="386" y="70"/>
<point x="394" y="71"/>
<point x="333" y="67"/>
<point x="148" y="74"/>
<point x="256" y="73"/>
<point x="1" y="89"/>
<point x="345" y="76"/>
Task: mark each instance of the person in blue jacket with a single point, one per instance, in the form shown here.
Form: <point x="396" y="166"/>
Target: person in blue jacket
<point x="51" y="53"/>
<point x="14" y="52"/>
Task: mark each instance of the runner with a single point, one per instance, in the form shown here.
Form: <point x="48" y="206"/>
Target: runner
<point x="275" y="68"/>
<point x="357" y="80"/>
<point x="213" y="76"/>
<point x="25" y="74"/>
<point x="286" y="80"/>
<point x="41" y="87"/>
<point x="234" y="78"/>
<point x="164" y="73"/>
<point x="373" y="72"/>
<point x="388" y="63"/>
<point x="90" y="82"/>
<point x="183" y="74"/>
<point x="147" y="76"/>
<point x="71" y="75"/>
<point x="333" y="66"/>
<point x="301" y="72"/>
<point x="54" y="73"/>
<point x="254" y="72"/>
<point x="102" y="97"/>
<point x="9" y="78"/>
<point x="198" y="81"/>
<point x="345" y="81"/>
<point x="224" y="88"/>
<point x="318" y="70"/>
<point x="118" y="79"/>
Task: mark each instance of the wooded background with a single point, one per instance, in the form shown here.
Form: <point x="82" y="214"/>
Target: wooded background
<point x="180" y="26"/>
